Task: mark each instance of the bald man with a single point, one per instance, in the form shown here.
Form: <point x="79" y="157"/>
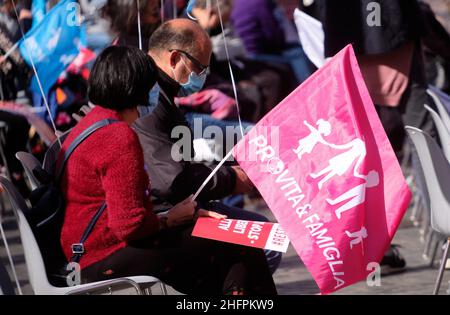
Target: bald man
<point x="181" y="50"/>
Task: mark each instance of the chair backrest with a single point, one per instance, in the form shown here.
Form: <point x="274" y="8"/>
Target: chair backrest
<point x="29" y="163"/>
<point x="436" y="169"/>
<point x="33" y="257"/>
<point x="438" y="98"/>
<point x="443" y="132"/>
<point x="51" y="156"/>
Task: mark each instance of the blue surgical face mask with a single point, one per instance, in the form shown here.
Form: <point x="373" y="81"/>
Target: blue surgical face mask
<point x="194" y="84"/>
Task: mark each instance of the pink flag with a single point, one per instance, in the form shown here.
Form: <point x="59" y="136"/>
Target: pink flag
<point x="325" y="167"/>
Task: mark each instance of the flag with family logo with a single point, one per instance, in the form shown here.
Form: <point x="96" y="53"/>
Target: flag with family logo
<point x="53" y="44"/>
<point x="38" y="11"/>
<point x="324" y="165"/>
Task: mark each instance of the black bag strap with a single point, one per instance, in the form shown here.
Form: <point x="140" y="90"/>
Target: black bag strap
<point x="78" y="249"/>
<point x="78" y="140"/>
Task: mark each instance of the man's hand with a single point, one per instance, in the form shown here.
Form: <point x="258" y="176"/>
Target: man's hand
<point x="243" y="183"/>
<point x="210" y="214"/>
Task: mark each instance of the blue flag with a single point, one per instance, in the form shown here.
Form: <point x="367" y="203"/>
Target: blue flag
<point x="53" y="44"/>
<point x="38" y="11"/>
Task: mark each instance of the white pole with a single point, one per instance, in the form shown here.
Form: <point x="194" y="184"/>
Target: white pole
<point x="11" y="50"/>
<point x="199" y="190"/>
<point x="231" y="70"/>
<point x="139" y="24"/>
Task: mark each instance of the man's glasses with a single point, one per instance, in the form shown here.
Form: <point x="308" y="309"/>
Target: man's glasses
<point x="203" y="68"/>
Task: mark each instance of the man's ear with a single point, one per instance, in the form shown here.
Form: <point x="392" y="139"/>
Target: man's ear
<point x="174" y="58"/>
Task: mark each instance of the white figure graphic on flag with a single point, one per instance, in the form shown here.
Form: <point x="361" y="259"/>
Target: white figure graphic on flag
<point x="307" y="144"/>
<point x="357" y="237"/>
<point x="355" y="196"/>
<point x="339" y="164"/>
<point x="53" y="41"/>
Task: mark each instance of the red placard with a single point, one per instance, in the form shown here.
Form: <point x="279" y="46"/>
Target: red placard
<point x="264" y="235"/>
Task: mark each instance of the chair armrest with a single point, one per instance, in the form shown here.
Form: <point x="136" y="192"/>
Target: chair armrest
<point x="85" y="289"/>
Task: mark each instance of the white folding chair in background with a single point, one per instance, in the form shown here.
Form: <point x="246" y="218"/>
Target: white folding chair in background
<point x="35" y="263"/>
<point x="3" y="163"/>
<point x="437" y="97"/>
<point x="29" y="163"/>
<point x="444" y="136"/>
<point x="443" y="132"/>
<point x="436" y="169"/>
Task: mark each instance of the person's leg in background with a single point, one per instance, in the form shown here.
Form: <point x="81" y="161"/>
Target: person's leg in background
<point x="414" y="98"/>
<point x="16" y="140"/>
<point x="392" y="122"/>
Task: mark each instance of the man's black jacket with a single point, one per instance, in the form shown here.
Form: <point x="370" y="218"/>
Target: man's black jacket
<point x="171" y="180"/>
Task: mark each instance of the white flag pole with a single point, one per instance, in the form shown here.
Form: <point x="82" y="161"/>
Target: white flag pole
<point x="162" y="11"/>
<point x="11" y="50"/>
<point x="139" y="23"/>
<point x="233" y="82"/>
<point x="200" y="189"/>
<point x="174" y="9"/>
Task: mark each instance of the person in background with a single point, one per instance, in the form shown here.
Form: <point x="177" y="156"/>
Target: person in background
<point x="391" y="61"/>
<point x="129" y="239"/>
<point x="123" y="17"/>
<point x="98" y="32"/>
<point x="14" y="74"/>
<point x="436" y="46"/>
<point x="260" y="85"/>
<point x="9" y="20"/>
<point x="260" y="23"/>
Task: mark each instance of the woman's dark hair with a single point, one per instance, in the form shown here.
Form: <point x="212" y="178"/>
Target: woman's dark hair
<point x="121" y="78"/>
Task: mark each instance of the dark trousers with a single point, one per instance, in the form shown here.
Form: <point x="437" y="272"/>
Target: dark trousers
<point x="16" y="137"/>
<point x="189" y="264"/>
<point x="273" y="257"/>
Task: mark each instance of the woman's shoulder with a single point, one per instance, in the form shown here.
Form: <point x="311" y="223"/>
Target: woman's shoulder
<point x="117" y="130"/>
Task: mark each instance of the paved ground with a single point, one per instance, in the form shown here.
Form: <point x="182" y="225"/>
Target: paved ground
<point x="292" y="276"/>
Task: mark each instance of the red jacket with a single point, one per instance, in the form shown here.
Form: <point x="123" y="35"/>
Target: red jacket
<point x="109" y="166"/>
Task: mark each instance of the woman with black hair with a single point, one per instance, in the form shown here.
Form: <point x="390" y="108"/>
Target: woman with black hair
<point x="129" y="238"/>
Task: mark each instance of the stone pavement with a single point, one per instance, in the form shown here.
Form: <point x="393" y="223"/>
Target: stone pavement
<point x="292" y="276"/>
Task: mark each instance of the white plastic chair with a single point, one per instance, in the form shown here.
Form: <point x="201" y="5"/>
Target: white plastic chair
<point x="436" y="169"/>
<point x="444" y="134"/>
<point x="443" y="113"/>
<point x="35" y="263"/>
<point x="29" y="163"/>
